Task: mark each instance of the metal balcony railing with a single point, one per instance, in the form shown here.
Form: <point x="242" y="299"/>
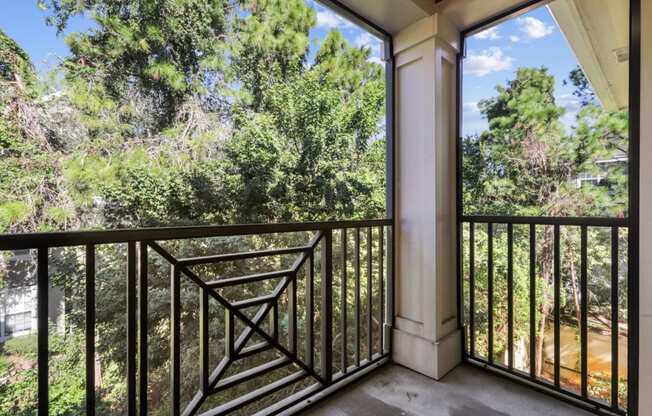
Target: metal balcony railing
<point x="320" y="319"/>
<point x="548" y="261"/>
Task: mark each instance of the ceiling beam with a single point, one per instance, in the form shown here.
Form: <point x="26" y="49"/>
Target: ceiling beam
<point x="427" y="6"/>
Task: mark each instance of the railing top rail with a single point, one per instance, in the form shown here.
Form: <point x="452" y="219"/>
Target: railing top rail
<point x="572" y="221"/>
<point x="78" y="238"/>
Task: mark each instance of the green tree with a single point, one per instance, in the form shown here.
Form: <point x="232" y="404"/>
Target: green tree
<point x="313" y="153"/>
<point x="208" y="112"/>
<point x="165" y="51"/>
<point x="270" y="45"/>
<point x="527" y="163"/>
<point x="30" y="197"/>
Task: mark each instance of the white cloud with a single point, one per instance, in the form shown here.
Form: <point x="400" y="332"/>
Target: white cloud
<point x="568" y="101"/>
<point x="374" y="44"/>
<point x="365" y="39"/>
<point x="492" y="34"/>
<point x="572" y="106"/>
<point x="471" y="107"/>
<point x="514" y="39"/>
<point x="487" y="61"/>
<point x="473" y="121"/>
<point x="330" y="20"/>
<point x="534" y="28"/>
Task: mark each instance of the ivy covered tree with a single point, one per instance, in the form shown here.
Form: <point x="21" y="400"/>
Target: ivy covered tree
<point x="528" y="163"/>
<point x="176" y="112"/>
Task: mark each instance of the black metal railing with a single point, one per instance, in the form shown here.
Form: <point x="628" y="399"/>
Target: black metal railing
<point x="537" y="257"/>
<point x="313" y="358"/>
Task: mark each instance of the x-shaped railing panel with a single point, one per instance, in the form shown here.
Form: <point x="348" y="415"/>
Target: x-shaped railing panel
<point x="212" y="383"/>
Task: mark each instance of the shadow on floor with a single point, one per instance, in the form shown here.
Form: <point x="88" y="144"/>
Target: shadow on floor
<point x="466" y="391"/>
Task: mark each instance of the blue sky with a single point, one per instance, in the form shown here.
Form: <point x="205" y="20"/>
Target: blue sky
<point x="23" y="21"/>
<point x="494" y="55"/>
<point x="328" y="20"/>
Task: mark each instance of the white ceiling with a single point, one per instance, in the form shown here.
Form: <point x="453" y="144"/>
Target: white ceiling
<point x="391" y="15"/>
<point x="394" y="15"/>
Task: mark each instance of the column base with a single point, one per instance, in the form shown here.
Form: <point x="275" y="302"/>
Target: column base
<point x="434" y="359"/>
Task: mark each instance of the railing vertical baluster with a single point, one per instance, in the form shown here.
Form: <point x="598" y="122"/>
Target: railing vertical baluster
<point x="229" y="330"/>
<point x="327" y="307"/>
<point x="510" y="296"/>
<point x="584" y="329"/>
<point x="142" y="327"/>
<point x="370" y="346"/>
<point x="175" y="339"/>
<point x="42" y="325"/>
<point x="472" y="289"/>
<point x="533" y="300"/>
<point x="204" y="370"/>
<point x="557" y="294"/>
<point x="357" y="296"/>
<point x="381" y="288"/>
<point x="615" y="330"/>
<point x="90" y="330"/>
<point x="275" y="321"/>
<point x="310" y="310"/>
<point x="490" y="290"/>
<point x="292" y="312"/>
<point x="390" y="289"/>
<point x="343" y="304"/>
<point x="132" y="263"/>
<point x="552" y="312"/>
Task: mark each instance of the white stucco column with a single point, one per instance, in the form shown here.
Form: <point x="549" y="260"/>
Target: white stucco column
<point x="645" y="264"/>
<point x="426" y="337"/>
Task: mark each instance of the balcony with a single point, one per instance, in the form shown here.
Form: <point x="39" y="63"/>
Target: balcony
<point x="256" y="326"/>
<point x="269" y="319"/>
<point x="466" y="391"/>
<point x="416" y="313"/>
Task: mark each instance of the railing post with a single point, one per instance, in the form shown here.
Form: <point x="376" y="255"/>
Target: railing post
<point x="43" y="286"/>
<point x="615" y="321"/>
<point x="175" y="339"/>
<point x="490" y="291"/>
<point x="143" y="316"/>
<point x="310" y="311"/>
<point x="131" y="328"/>
<point x="557" y="305"/>
<point x="389" y="326"/>
<point x="327" y="307"/>
<point x="204" y="317"/>
<point x="90" y="330"/>
<point x="369" y="296"/>
<point x="584" y="318"/>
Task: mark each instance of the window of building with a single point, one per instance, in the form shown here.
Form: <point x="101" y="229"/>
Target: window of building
<point x="18" y="322"/>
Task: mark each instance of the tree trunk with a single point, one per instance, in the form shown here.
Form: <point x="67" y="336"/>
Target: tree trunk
<point x="576" y="293"/>
<point x="546" y="304"/>
<point x="540" y="339"/>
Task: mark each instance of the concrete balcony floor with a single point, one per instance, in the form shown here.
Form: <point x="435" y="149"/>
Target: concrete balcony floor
<point x="467" y="391"/>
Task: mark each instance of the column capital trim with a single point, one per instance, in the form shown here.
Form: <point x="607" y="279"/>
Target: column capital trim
<point x="435" y="26"/>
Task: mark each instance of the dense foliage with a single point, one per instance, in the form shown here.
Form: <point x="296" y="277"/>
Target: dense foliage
<point x="528" y="163"/>
<point x="208" y="112"/>
<point x="211" y="112"/>
<point x="174" y="112"/>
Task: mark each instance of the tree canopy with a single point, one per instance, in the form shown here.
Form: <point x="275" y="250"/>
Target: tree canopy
<point x="176" y="112"/>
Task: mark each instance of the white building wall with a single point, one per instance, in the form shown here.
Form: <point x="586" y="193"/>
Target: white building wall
<point x="17" y="301"/>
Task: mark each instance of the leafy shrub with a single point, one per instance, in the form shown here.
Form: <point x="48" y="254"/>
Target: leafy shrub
<point x="25" y="346"/>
